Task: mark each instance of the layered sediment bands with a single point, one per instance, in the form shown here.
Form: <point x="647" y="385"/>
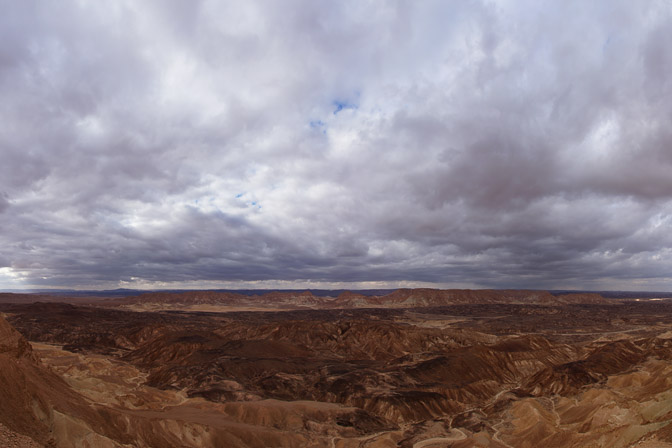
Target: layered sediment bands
<point x="488" y="374"/>
<point x="414" y="298"/>
<point x="394" y="371"/>
<point x="43" y="405"/>
<point x="605" y="360"/>
<point x="34" y="398"/>
<point x="402" y="298"/>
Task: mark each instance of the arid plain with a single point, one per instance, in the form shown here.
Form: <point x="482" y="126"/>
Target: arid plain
<point x="412" y="368"/>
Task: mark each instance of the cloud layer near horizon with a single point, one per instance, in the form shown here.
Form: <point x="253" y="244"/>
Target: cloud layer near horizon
<point x="484" y="143"/>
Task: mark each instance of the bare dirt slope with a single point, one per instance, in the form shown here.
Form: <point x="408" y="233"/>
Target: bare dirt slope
<point x="468" y="375"/>
<point x="11" y="439"/>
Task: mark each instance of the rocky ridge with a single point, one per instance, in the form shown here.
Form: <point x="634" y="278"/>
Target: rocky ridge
<point x="518" y="372"/>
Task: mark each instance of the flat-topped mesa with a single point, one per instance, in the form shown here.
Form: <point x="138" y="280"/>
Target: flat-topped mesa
<point x="289" y="298"/>
<point x="10" y="297"/>
<point x="400" y="298"/>
<point x="584" y="298"/>
<point x="349" y="299"/>
<point x="223" y="298"/>
<point x="426" y="297"/>
<point x="185" y="298"/>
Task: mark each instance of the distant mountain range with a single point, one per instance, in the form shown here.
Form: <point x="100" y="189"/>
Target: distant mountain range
<point x="123" y="292"/>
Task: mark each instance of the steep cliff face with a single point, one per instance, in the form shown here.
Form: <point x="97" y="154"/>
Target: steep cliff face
<point x="24" y="409"/>
<point x="12" y="344"/>
<point x="40" y="404"/>
<point x="521" y="374"/>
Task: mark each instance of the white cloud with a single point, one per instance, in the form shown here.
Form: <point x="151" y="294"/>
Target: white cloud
<point x="514" y="144"/>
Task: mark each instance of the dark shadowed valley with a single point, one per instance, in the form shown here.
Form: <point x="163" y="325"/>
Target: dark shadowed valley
<point x="413" y="368"/>
<point x="336" y="224"/>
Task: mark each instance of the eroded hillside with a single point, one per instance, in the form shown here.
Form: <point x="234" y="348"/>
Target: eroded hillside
<point x="555" y="374"/>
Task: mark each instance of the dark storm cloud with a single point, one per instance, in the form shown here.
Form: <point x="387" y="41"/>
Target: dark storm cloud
<point x="490" y="144"/>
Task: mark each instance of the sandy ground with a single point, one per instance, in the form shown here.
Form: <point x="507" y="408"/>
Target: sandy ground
<point x="11" y="439"/>
<point x="653" y="444"/>
<point x="456" y="436"/>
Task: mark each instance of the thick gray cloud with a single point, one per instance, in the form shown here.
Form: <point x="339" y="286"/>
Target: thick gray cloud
<point x="364" y="143"/>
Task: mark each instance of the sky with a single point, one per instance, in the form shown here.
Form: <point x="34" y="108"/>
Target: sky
<point x="350" y="144"/>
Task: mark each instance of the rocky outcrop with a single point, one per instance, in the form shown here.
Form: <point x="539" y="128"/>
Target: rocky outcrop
<point x="517" y="371"/>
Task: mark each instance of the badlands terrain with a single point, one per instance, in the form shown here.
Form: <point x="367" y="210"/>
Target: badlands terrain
<point x="410" y="368"/>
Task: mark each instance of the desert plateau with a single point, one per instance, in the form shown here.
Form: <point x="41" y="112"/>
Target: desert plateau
<point x="412" y="368"/>
<point x="336" y="224"/>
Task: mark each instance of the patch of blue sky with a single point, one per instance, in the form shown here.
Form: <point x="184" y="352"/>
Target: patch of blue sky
<point x="249" y="203"/>
<point x="343" y="104"/>
<point x="319" y="125"/>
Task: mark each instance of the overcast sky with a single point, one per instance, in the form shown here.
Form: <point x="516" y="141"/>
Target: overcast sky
<point x="303" y="143"/>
